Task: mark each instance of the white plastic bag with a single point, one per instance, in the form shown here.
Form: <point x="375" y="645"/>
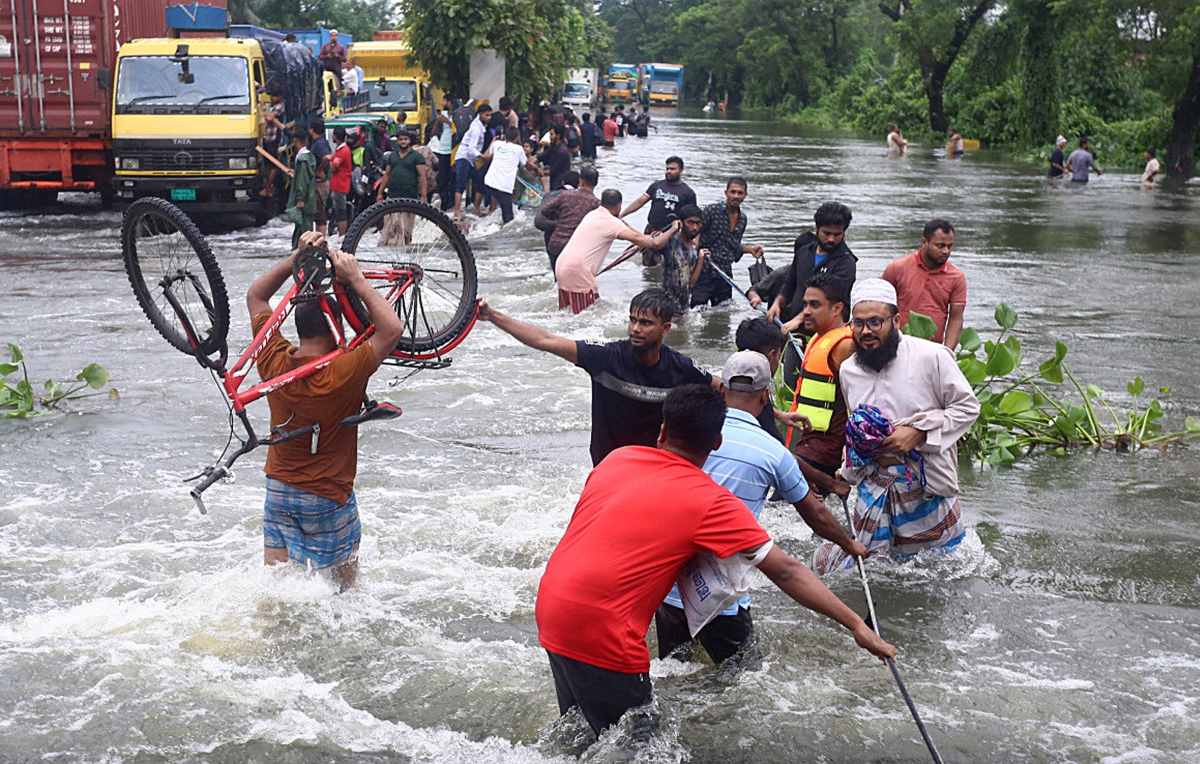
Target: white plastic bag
<point x="709" y="584"/>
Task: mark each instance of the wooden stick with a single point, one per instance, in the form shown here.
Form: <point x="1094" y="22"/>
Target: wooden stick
<point x="267" y="155"/>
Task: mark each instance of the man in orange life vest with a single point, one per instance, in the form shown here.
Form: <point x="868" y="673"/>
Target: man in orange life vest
<point x="817" y="394"/>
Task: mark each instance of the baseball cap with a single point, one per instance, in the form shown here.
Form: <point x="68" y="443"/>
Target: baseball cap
<point x="747" y="371"/>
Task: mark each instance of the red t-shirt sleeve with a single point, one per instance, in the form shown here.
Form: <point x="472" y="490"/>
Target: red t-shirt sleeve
<point x="958" y="294"/>
<point x="889" y="274"/>
<point x="728" y="527"/>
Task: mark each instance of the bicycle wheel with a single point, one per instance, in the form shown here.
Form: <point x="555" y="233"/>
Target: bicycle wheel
<point x="175" y="276"/>
<point x="406" y="233"/>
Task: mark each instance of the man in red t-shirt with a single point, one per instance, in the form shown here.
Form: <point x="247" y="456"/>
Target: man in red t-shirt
<point x="644" y="513"/>
<point x="609" y="125"/>
<point x="926" y="282"/>
<point x="342" y="163"/>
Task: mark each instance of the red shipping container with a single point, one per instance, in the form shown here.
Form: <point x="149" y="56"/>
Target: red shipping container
<point x="56" y="68"/>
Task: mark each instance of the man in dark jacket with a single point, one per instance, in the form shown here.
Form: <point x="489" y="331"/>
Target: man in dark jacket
<point x="825" y="253"/>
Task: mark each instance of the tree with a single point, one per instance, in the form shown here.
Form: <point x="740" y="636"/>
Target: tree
<point x="357" y="18"/>
<point x="934" y="32"/>
<point x="538" y="38"/>
<point x="1185" y="122"/>
<point x="1039" y="72"/>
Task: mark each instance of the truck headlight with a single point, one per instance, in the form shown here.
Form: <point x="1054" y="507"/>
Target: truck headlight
<point x="239" y="163"/>
<point x="128" y="163"/>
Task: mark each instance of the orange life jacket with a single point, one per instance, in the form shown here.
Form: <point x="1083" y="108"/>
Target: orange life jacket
<point x="816" y="388"/>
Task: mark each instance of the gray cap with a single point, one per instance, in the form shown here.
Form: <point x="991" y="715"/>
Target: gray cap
<point x="747" y="371"/>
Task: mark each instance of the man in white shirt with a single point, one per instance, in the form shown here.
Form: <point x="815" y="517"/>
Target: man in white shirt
<point x="506" y="157"/>
<point x="1152" y="167"/>
<point x="351" y="84"/>
<point x="907" y="484"/>
<point x="469" y="149"/>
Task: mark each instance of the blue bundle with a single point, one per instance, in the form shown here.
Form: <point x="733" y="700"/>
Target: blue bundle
<point x="866" y="429"/>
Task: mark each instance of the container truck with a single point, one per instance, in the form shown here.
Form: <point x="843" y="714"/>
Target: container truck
<point x="621" y="85"/>
<point x="661" y="84"/>
<point x="57" y="67"/>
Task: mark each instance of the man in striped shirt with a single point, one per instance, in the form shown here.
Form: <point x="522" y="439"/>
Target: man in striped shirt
<point x="749" y="463"/>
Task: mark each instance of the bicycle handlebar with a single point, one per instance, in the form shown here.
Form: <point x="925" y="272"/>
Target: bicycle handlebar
<point x="214" y="474"/>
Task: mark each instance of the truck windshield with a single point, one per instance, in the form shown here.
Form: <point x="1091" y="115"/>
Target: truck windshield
<point x="621" y="85"/>
<point x="662" y="87"/>
<point x="576" y="90"/>
<point x="393" y="94"/>
<point x="154" y="84"/>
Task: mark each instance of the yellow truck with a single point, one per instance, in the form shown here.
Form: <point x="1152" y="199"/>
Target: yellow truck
<point x="186" y="123"/>
<point x="394" y="82"/>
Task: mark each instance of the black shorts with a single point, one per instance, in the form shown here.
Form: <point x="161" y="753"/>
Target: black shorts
<point x="602" y="695"/>
<point x="710" y="291"/>
<point x="722" y="637"/>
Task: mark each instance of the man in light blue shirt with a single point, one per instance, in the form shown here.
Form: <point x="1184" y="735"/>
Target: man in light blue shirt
<point x="749" y="463"/>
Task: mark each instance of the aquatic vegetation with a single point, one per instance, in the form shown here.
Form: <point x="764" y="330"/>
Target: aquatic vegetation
<point x="1023" y="409"/>
<point x="18" y="398"/>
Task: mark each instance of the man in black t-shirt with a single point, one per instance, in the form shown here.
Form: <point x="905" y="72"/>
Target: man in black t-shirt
<point x="1057" y="160"/>
<point x="665" y="197"/>
<point x="557" y="157"/>
<point x="630" y="378"/>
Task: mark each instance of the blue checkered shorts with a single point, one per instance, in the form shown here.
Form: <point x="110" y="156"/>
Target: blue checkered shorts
<point x="312" y="528"/>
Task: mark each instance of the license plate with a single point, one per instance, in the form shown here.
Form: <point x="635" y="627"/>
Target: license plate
<point x="183" y="194"/>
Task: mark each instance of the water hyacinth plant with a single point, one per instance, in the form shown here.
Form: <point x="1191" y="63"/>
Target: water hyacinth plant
<point x="19" y="399"/>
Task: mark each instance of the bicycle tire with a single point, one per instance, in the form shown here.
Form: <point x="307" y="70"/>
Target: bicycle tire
<point x="450" y="329"/>
<point x="158" y="217"/>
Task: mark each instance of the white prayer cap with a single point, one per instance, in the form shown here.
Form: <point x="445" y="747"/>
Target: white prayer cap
<point x="1060" y="141"/>
<point x="872" y="290"/>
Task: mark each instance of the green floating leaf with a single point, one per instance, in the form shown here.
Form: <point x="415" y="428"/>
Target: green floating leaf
<point x="1164" y="390"/>
<point x="1191" y="424"/>
<point x="1051" y="371"/>
<point x="94" y="374"/>
<point x="8" y="368"/>
<point x="920" y="325"/>
<point x="1016" y="402"/>
<point x="1006" y="317"/>
<point x="974" y="370"/>
<point x="1135" y="386"/>
<point x="1001" y="362"/>
<point x="1060" y="350"/>
<point x="15" y="353"/>
<point x="969" y="340"/>
<point x="1154" y="410"/>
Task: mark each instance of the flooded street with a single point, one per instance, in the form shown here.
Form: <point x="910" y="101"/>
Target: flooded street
<point x="134" y="629"/>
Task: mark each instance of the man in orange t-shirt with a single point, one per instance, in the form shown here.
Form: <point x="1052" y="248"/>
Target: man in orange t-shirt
<point x="926" y="282"/>
<point x="644" y="513"/>
<point x="310" y="514"/>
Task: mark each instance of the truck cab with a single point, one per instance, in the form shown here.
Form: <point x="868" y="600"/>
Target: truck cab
<point x="393" y="82"/>
<point x="187" y="122"/>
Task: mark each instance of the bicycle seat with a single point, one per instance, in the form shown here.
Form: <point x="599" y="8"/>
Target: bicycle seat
<point x="372" y="412"/>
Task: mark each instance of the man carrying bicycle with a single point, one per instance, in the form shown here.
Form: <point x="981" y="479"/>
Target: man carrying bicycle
<point x="310" y="514"/>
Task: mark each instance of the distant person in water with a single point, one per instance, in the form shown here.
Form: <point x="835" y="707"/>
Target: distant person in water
<point x="955" y="146"/>
<point x="1152" y="167"/>
<point x="1058" y="160"/>
<point x="896" y="145"/>
<point x="1081" y="162"/>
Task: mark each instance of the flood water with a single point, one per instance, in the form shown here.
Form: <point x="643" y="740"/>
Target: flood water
<point x="134" y="629"/>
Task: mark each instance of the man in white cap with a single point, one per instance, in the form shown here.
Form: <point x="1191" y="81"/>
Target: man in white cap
<point x="750" y="463"/>
<point x="908" y="405"/>
<point x="1058" y="160"/>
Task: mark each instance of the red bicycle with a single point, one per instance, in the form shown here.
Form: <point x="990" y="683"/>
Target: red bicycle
<point x="410" y="251"/>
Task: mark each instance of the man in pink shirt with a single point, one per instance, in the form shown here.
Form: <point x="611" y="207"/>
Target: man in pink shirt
<point x="580" y="261"/>
<point x="927" y="283"/>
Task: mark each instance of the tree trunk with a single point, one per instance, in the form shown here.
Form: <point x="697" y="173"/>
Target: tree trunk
<point x="1185" y="121"/>
<point x="1039" y="75"/>
<point x="935" y="85"/>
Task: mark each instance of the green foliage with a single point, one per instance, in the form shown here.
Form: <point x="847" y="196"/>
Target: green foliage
<point x="1021" y="412"/>
<point x="358" y="18"/>
<point x="18" y="398"/>
<point x="538" y="38"/>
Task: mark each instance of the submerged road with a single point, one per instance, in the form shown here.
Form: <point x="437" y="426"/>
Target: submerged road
<point x="134" y="629"/>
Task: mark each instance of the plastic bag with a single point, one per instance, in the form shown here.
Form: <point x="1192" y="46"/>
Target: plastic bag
<point x="708" y="584"/>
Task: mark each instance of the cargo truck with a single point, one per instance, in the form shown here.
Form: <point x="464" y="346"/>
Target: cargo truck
<point x="187" y="116"/>
<point x="621" y="83"/>
<point x="579" y="91"/>
<point x="57" y="65"/>
<point x="395" y="82"/>
<point x="660" y="84"/>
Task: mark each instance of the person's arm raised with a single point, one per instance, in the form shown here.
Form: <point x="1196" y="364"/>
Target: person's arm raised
<point x="263" y="288"/>
<point x="388" y="326"/>
<point x="798" y="582"/>
<point x="527" y="334"/>
<point x="635" y="205"/>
